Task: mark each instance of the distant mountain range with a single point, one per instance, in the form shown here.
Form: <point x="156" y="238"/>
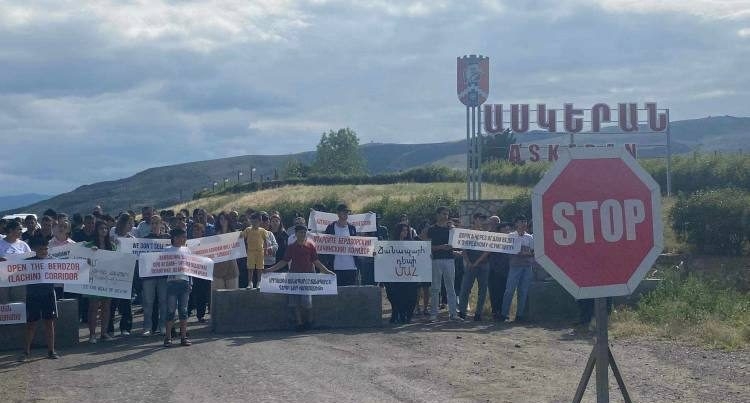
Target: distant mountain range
<point x="168" y="185"/>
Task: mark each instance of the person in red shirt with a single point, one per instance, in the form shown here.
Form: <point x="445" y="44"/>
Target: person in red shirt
<point x="302" y="257"/>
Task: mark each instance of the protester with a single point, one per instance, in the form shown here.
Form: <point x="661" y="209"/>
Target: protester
<point x="86" y="232"/>
<point x="520" y="273"/>
<point x="61" y="233"/>
<point x="178" y="292"/>
<point x="41" y="303"/>
<point x="101" y="241"/>
<point x="154" y="289"/>
<point x="499" y="266"/>
<point x="271" y="246"/>
<point x="31" y="225"/>
<point x="302" y="257"/>
<point x="12" y="245"/>
<point x="402" y="295"/>
<point x="345" y="266"/>
<point x="256" y="239"/>
<point x="144" y="227"/>
<point x="443" y="263"/>
<point x="282" y="237"/>
<point x="201" y="292"/>
<point x="476" y="267"/>
<point x="45" y="228"/>
<point x="123" y="229"/>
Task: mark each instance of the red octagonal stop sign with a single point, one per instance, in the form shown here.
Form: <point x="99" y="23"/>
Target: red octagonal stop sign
<point x="597" y="222"/>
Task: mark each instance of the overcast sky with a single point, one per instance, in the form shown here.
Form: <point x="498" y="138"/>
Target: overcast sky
<point x="93" y="91"/>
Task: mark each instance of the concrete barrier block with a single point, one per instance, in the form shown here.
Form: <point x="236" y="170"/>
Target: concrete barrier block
<point x="66" y="329"/>
<point x="248" y="310"/>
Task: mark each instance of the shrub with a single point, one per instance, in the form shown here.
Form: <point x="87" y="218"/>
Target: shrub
<point x="420" y="208"/>
<point x="712" y="221"/>
<point x="519" y="205"/>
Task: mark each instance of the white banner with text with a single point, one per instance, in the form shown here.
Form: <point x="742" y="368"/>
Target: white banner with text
<point x="319" y="220"/>
<point x="44" y="271"/>
<point x="298" y="283"/>
<point x="344" y="245"/>
<point x="219" y="248"/>
<point x="12" y="313"/>
<point x="111" y="273"/>
<point x="403" y="261"/>
<point x="484" y="240"/>
<point x="170" y="263"/>
<point x="136" y="246"/>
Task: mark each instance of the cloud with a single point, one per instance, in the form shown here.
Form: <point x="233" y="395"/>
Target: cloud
<point x="102" y="90"/>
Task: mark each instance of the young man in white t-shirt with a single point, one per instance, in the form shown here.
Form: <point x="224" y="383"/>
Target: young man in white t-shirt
<point x="12" y="245"/>
<point x="344" y="266"/>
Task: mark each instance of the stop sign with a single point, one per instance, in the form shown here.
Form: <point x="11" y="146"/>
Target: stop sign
<point x="597" y="222"/>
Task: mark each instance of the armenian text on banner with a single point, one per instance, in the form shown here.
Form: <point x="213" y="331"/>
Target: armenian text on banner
<point x="111" y="273"/>
<point x="12" y="313"/>
<point x="298" y="283"/>
<point x="177" y="262"/>
<point x="403" y="261"/>
<point x="344" y="245"/>
<point x="319" y="220"/>
<point x="219" y="248"/>
<point x="44" y="271"/>
<point x="484" y="240"/>
<point x="136" y="246"/>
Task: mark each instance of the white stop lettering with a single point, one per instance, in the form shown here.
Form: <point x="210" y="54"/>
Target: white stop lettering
<point x="615" y="219"/>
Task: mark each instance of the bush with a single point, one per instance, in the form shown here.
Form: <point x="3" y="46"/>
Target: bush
<point x="420" y="209"/>
<point x="691" y="173"/>
<point x="507" y="173"/>
<point x="712" y="221"/>
<point x="519" y="205"/>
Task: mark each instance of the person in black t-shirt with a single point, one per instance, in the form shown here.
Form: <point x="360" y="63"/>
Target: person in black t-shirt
<point x="443" y="264"/>
<point x="41" y="303"/>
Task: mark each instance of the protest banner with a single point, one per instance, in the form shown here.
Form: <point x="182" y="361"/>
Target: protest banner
<point x="177" y="262"/>
<point x="136" y="246"/>
<point x="111" y="273"/>
<point x="484" y="240"/>
<point x="44" y="271"/>
<point x="403" y="261"/>
<point x="12" y="313"/>
<point x="298" y="283"/>
<point x="344" y="245"/>
<point x="319" y="220"/>
<point x="219" y="248"/>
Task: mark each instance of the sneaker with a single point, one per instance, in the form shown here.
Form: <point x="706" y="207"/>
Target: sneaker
<point x="462" y="315"/>
<point x="24" y="357"/>
<point x="456" y="318"/>
<point x="52" y="355"/>
<point x="167" y="342"/>
<point x="124" y="333"/>
<point x="185" y="342"/>
<point x="146" y="333"/>
<point x="92" y="340"/>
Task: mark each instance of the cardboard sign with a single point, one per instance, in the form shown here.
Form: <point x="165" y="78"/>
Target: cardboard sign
<point x="299" y="283"/>
<point x="177" y="262"/>
<point x="484" y="240"/>
<point x="12" y="313"/>
<point x="319" y="220"/>
<point x="403" y="261"/>
<point x="44" y="271"/>
<point x="344" y="245"/>
<point x="136" y="246"/>
<point x="219" y="248"/>
<point x="111" y="273"/>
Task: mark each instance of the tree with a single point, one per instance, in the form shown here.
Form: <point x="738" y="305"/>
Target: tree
<point x="338" y="154"/>
<point x="295" y="169"/>
<point x="496" y="147"/>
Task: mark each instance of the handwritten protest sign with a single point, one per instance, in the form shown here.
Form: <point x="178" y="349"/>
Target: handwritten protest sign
<point x="43" y="271"/>
<point x="111" y="273"/>
<point x="177" y="262"/>
<point x="319" y="220"/>
<point x="219" y="248"/>
<point x="403" y="261"/>
<point x="298" y="283"/>
<point x="136" y="246"/>
<point x="12" y="313"/>
<point x="344" y="245"/>
<point x="484" y="240"/>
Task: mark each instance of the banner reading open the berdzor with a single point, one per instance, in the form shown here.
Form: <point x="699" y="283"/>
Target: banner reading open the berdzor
<point x="170" y="263"/>
<point x="44" y="271"/>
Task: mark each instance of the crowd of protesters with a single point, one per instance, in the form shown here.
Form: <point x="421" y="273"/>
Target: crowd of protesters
<point x="270" y="247"/>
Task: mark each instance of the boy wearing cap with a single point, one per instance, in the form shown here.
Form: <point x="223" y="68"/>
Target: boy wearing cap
<point x="302" y="257"/>
<point x="345" y="266"/>
<point x="41" y="303"/>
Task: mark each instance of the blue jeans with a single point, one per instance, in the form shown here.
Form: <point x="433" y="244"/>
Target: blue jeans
<point x="518" y="277"/>
<point x="151" y="287"/>
<point x="178" y="293"/>
<point x="481" y="274"/>
<point x="444" y="269"/>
